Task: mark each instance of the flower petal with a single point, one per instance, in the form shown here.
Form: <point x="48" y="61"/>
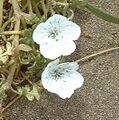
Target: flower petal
<point x="55" y="20"/>
<point x="65" y="93"/>
<point x="58" y="88"/>
<point x="50" y="67"/>
<point x="77" y="79"/>
<point x="53" y="49"/>
<point x="72" y="66"/>
<point x="67" y="47"/>
<point x="70" y="30"/>
<point x="50" y="50"/>
<point x="40" y="34"/>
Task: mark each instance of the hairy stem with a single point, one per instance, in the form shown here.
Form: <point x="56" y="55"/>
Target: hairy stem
<point x="96" y="54"/>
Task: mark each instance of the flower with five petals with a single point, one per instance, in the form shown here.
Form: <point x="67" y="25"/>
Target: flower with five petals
<point x="56" y="36"/>
<point x="62" y="79"/>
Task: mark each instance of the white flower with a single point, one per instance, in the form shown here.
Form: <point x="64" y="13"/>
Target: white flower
<point x="62" y="79"/>
<point x="56" y="36"/>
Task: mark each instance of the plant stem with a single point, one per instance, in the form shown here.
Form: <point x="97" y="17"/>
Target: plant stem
<point x="7" y="23"/>
<point x="16" y="37"/>
<point x="63" y="4"/>
<point x="50" y="8"/>
<point x="23" y="22"/>
<point x="30" y="7"/>
<point x="72" y="14"/>
<point x="1" y="12"/>
<point x="7" y="83"/>
<point x="17" y="12"/>
<point x="36" y="8"/>
<point x="16" y="7"/>
<point x="14" y="91"/>
<point x="96" y="54"/>
<point x="11" y="33"/>
<point x="44" y="8"/>
<point x="11" y="103"/>
<point x="11" y="74"/>
<point x="25" y="6"/>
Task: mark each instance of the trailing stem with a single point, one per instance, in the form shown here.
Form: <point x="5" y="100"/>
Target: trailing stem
<point x="96" y="54"/>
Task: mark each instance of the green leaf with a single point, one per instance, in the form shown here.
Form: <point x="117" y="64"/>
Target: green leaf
<point x="31" y="92"/>
<point x="35" y="92"/>
<point x="27" y="39"/>
<point x="102" y="14"/>
<point x="32" y="19"/>
<point x="95" y="10"/>
<point x="3" y="95"/>
<point x="37" y="68"/>
<point x="26" y="58"/>
<point x="2" y="88"/>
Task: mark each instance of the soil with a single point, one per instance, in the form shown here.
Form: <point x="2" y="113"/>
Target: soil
<point x="98" y="98"/>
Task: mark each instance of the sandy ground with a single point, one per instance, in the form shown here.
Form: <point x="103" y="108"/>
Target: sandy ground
<point x="98" y="98"/>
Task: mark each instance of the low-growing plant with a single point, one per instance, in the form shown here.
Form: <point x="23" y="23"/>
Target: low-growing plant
<point x="34" y="37"/>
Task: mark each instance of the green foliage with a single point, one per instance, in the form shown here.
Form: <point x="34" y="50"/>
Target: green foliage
<point x="3" y="95"/>
<point x="30" y="61"/>
<point x="27" y="39"/>
<point x="78" y="3"/>
<point x="31" y="92"/>
<point x="95" y="10"/>
<point x="37" y="68"/>
<point x="102" y="14"/>
<point x="32" y="19"/>
<point x="26" y="58"/>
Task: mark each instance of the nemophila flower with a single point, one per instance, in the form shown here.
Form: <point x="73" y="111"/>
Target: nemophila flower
<point x="62" y="79"/>
<point x="56" y="36"/>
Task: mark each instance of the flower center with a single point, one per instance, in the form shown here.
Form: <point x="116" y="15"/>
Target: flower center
<point x="59" y="73"/>
<point x="56" y="74"/>
<point x="53" y="34"/>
